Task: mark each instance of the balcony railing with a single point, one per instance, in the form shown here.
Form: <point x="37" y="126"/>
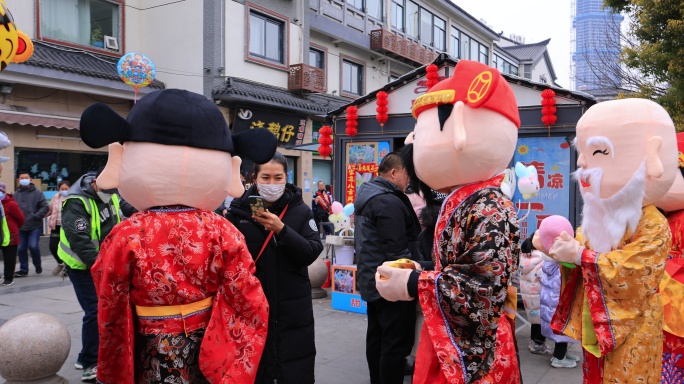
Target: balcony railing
<point x="399" y="48"/>
<point x="305" y="78"/>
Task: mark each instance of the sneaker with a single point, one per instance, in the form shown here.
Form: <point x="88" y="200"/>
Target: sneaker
<point x="565" y="363"/>
<point x="39" y="269"/>
<point x="78" y="365"/>
<point x="20" y="274"/>
<point x="90" y="374"/>
<point x="540" y="348"/>
<point x="57" y="270"/>
<point x="6" y="283"/>
<point x="572" y="356"/>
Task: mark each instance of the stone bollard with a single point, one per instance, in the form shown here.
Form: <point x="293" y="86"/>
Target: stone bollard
<point x="318" y="272"/>
<point x="33" y="348"/>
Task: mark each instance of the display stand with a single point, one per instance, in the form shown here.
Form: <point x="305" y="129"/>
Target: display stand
<point x="345" y="295"/>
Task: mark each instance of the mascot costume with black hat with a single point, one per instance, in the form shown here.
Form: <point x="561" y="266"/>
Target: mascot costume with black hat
<point x="178" y="299"/>
<point x="464" y="138"/>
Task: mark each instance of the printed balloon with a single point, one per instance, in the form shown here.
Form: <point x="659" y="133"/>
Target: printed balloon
<point x="136" y="70"/>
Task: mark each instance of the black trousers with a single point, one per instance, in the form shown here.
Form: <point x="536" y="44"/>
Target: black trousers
<point x="9" y="257"/>
<point x="389" y="339"/>
<point x="536" y="334"/>
<point x="560" y="350"/>
<point x="54" y="243"/>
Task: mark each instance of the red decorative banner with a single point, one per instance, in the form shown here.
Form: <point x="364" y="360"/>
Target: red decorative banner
<point x="352" y="169"/>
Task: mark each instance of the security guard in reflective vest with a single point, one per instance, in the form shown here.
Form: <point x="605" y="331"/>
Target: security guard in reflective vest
<point x="88" y="215"/>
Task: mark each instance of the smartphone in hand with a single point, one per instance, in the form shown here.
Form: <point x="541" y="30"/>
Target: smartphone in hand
<point x="256" y="203"/>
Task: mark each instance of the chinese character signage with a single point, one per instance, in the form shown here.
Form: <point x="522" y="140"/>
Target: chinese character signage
<point x="551" y="157"/>
<point x="362" y="165"/>
<point x="287" y="128"/>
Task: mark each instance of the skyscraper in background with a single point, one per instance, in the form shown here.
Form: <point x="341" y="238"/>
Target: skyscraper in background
<point x="595" y="49"/>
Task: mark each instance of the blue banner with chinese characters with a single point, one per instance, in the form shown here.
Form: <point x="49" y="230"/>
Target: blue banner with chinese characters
<point x="551" y="157"/>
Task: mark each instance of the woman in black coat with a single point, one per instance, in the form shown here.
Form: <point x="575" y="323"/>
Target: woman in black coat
<point x="290" y="349"/>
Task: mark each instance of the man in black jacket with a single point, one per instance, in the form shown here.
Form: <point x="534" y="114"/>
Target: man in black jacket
<point x="386" y="229"/>
<point x="34" y="206"/>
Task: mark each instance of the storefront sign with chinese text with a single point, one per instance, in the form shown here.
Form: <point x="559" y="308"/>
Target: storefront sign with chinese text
<point x="288" y="129"/>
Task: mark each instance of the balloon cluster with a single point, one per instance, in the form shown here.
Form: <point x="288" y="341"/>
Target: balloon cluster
<point x="341" y="216"/>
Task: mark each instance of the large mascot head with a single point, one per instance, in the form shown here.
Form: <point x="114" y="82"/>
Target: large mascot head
<point x="674" y="198"/>
<point x="466" y="128"/>
<point x="627" y="159"/>
<point x="177" y="149"/>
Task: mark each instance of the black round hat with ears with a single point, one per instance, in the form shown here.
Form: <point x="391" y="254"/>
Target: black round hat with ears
<point x="175" y="117"/>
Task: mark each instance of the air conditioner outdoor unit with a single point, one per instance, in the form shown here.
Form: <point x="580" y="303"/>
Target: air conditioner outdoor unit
<point x="111" y="43"/>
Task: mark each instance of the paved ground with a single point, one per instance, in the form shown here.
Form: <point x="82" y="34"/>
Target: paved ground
<point x="339" y="335"/>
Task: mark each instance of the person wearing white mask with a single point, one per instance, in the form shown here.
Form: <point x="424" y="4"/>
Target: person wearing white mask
<point x="284" y="241"/>
<point x="55" y="222"/>
<point x="34" y="207"/>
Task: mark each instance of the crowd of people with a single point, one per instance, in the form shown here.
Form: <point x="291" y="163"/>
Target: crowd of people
<point x="175" y="290"/>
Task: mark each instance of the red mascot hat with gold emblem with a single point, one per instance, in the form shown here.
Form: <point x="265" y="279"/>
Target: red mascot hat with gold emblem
<point x="477" y="86"/>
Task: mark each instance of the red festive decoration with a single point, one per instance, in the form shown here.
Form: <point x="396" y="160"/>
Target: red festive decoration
<point x="548" y="110"/>
<point x="324" y="139"/>
<point x="352" y="122"/>
<point x="381" y="102"/>
<point x="431" y="75"/>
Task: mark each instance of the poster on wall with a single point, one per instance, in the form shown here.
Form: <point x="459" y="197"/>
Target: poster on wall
<point x="362" y="165"/>
<point x="551" y="157"/>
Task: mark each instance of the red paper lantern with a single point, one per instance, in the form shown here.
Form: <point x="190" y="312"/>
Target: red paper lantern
<point x="431" y="75"/>
<point x="352" y="122"/>
<point x="382" y="109"/>
<point x="324" y="139"/>
<point x="548" y="110"/>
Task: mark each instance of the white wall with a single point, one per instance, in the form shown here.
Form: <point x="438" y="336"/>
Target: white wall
<point x="172" y="37"/>
<point x="23" y="12"/>
<point x="541" y="69"/>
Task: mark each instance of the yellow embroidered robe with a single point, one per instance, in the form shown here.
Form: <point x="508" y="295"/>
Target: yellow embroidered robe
<point x="611" y="304"/>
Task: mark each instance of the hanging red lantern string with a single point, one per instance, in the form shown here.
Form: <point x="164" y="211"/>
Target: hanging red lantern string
<point x="431" y="75"/>
<point x="352" y="122"/>
<point x="324" y="139"/>
<point x="548" y="110"/>
<point x="382" y="109"/>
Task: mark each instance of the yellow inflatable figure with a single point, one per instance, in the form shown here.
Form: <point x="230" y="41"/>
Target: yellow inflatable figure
<point x="15" y="46"/>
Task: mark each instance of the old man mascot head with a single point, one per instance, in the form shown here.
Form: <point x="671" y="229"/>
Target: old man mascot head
<point x="176" y="270"/>
<point x="627" y="161"/>
<point x="464" y="138"/>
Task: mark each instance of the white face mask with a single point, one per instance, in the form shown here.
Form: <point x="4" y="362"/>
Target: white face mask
<point x="24" y="182"/>
<point x="271" y="192"/>
<point x="63" y="193"/>
<point x="105" y="197"/>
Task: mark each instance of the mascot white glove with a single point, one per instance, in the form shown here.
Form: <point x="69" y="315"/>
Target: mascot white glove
<point x="394" y="286"/>
<point x="566" y="249"/>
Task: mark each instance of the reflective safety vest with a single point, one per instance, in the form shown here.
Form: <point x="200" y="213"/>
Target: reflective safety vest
<point x="64" y="250"/>
<point x="5" y="228"/>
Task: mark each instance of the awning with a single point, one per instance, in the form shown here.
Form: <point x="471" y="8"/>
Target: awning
<point x="38" y="120"/>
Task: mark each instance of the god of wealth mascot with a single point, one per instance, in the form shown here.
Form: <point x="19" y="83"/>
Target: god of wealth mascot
<point x="627" y="161"/>
<point x="178" y="299"/>
<point x="672" y="285"/>
<point x="465" y="135"/>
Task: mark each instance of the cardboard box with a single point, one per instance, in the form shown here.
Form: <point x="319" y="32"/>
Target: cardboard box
<point x="345" y="296"/>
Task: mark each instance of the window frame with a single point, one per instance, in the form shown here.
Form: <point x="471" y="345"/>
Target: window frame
<point x="401" y="4"/>
<point x="324" y="50"/>
<point x="381" y="3"/>
<point x="121" y="38"/>
<point x="285" y="65"/>
<point x="457" y="37"/>
<point x="362" y="73"/>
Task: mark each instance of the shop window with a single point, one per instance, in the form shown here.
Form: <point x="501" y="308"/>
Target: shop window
<point x="82" y="22"/>
<point x="51" y="167"/>
<point x="266" y="37"/>
<point x="352" y="78"/>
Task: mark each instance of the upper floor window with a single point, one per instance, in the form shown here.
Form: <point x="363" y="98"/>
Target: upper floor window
<point x="439" y="34"/>
<point x="316" y="58"/>
<point x="484" y="54"/>
<point x="398" y="14"/>
<point x="455" y="43"/>
<point x="412" y="14"/>
<point x="504" y="66"/>
<point x="83" y="22"/>
<point x="266" y="37"/>
<point x="352" y="78"/>
<point x="471" y="49"/>
<point x="371" y="7"/>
